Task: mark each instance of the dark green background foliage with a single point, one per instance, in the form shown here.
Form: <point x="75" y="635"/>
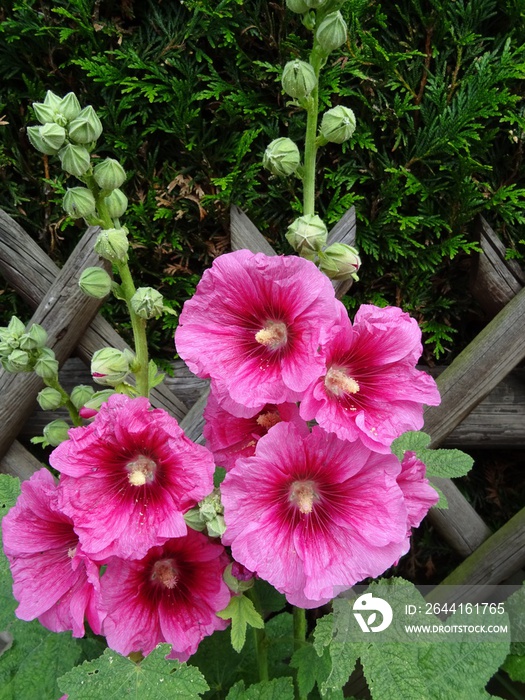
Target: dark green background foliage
<point x="189" y="95"/>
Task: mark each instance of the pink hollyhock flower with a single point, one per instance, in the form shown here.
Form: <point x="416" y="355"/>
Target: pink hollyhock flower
<point x="419" y="494"/>
<point x="230" y="437"/>
<point x="171" y="595"/>
<point x="128" y="477"/>
<point x="314" y="515"/>
<point x="53" y="579"/>
<point x="257" y="324"/>
<point x="371" y="389"/>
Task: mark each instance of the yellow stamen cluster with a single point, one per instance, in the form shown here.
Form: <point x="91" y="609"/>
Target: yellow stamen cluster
<point x="274" y="335"/>
<point x="338" y="382"/>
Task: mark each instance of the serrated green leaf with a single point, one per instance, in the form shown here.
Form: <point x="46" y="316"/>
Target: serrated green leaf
<point x="276" y="689"/>
<point x="447" y="464"/>
<point x="515" y="667"/>
<point x="343" y="654"/>
<point x="411" y="441"/>
<point x="311" y="668"/>
<point x="242" y="613"/>
<point x="113" y="675"/>
<point x="9" y="492"/>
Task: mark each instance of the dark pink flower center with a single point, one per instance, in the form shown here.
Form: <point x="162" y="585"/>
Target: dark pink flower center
<point x="141" y="470"/>
<point x="303" y="495"/>
<point x="268" y="420"/>
<point x="339" y="383"/>
<point x="273" y="335"/>
<point x="165" y="573"/>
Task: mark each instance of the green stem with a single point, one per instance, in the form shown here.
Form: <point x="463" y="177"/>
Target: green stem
<point x="310" y="145"/>
<point x="260" y="639"/>
<point x="71" y="408"/>
<point x="299" y="639"/>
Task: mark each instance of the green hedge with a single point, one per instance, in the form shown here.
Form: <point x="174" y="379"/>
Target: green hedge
<point x="189" y="95"/>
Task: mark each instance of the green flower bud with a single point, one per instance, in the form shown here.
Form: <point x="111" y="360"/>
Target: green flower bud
<point x="56" y="432"/>
<point x="15" y="328"/>
<point x="34" y="134"/>
<point x="109" y="174"/>
<point x="315" y="4"/>
<point x="211" y="506"/>
<point x="5" y="349"/>
<point x="53" y="136"/>
<point x="194" y="520"/>
<point x="216" y="527"/>
<point x="46" y="365"/>
<point x="52" y="100"/>
<point x="147" y="302"/>
<point x="75" y="159"/>
<point x="79" y="202"/>
<point x="44" y="113"/>
<point x="112" y="244"/>
<point x="307" y="235"/>
<point x="234" y="584"/>
<point x="69" y="107"/>
<point x="95" y="282"/>
<point x="80" y="395"/>
<point x="338" y="124"/>
<point x="116" y="204"/>
<point x="36" y="337"/>
<point x="86" y="128"/>
<point x="49" y="399"/>
<point x="282" y="157"/>
<point x="340" y="262"/>
<point x="18" y="361"/>
<point x="109" y="366"/>
<point x="298" y="79"/>
<point x="331" y="33"/>
<point x="299" y="6"/>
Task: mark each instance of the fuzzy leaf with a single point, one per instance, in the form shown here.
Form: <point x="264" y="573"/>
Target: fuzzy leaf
<point x="343" y="654"/>
<point x="9" y="492"/>
<point x="277" y="689"/>
<point x="413" y="441"/>
<point x="242" y="613"/>
<point x="446" y="464"/>
<point x="515" y="667"/>
<point x="113" y="675"/>
<point x="312" y="669"/>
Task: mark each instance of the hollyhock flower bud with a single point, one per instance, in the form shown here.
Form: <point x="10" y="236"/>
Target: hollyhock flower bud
<point x="238" y="578"/>
<point x="112" y="244"/>
<point x="15" y="328"/>
<point x="417" y="490"/>
<point x="110" y="366"/>
<point x="282" y="157"/>
<point x="69" y="107"/>
<point x="86" y="128"/>
<point x="52" y="142"/>
<point x="18" y="361"/>
<point x="109" y="174"/>
<point x="49" y="399"/>
<point x="36" y="337"/>
<point x="95" y="282"/>
<point x="340" y="262"/>
<point x="75" y="160"/>
<point x="332" y="32"/>
<point x="116" y="204"/>
<point x="337" y="124"/>
<point x="44" y="113"/>
<point x="79" y="202"/>
<point x="298" y="79"/>
<point x="299" y="6"/>
<point x="147" y="302"/>
<point x="307" y="234"/>
<point x="46" y="365"/>
<point x="194" y="519"/>
<point x="81" y="394"/>
<point x="216" y="527"/>
<point x="56" y="432"/>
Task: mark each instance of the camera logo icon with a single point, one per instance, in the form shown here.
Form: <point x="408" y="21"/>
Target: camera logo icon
<point x="367" y="603"/>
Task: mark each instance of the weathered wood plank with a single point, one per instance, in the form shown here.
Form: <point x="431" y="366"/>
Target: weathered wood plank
<point x="19" y="462"/>
<point x="31" y="272"/>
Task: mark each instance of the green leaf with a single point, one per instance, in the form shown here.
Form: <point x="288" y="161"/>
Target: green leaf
<point x="277" y="689"/>
<point x="269" y="600"/>
<point x="445" y="464"/>
<point x="9" y="492"/>
<point x="515" y="667"/>
<point x="242" y="613"/>
<point x="411" y="441"/>
<point x="113" y="675"/>
<point x="343" y="654"/>
<point x="313" y="669"/>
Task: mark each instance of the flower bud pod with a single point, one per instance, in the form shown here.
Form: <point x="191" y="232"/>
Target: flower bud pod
<point x="36" y="140"/>
<point x="235" y="584"/>
<point x="53" y="136"/>
<point x="36" y="337"/>
<point x="44" y="113"/>
<point x="147" y="302"/>
<point x="15" y="328"/>
<point x="52" y="100"/>
<point x="69" y="107"/>
<point x="109" y="366"/>
<point x="87" y="127"/>
<point x="49" y="399"/>
<point x="75" y="159"/>
<point x="298" y="79"/>
<point x="5" y="349"/>
<point x="216" y="527"/>
<point x="81" y="394"/>
<point x="92" y="407"/>
<point x="340" y="262"/>
<point x="46" y="366"/>
<point x="112" y="244"/>
<point x="79" y="202"/>
<point x="194" y="520"/>
<point x="18" y="361"/>
<point x="338" y="124"/>
<point x="282" y="157"/>
<point x="56" y="432"/>
<point x="307" y="235"/>
<point x="95" y="282"/>
<point x="332" y="32"/>
<point x="116" y="204"/>
<point x="109" y="174"/>
<point x="299" y="6"/>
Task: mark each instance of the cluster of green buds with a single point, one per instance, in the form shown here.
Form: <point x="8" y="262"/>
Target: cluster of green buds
<point x="208" y="515"/>
<point x="26" y="351"/>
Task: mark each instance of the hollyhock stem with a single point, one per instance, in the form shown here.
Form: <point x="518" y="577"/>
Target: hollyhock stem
<point x="299" y="639"/>
<point x="73" y="413"/>
<point x="260" y="639"/>
<point x="310" y="146"/>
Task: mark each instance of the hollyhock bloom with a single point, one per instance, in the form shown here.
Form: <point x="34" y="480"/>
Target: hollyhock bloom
<point x="171" y="595"/>
<point x="314" y="515"/>
<point x="371" y="389"/>
<point x="128" y="477"/>
<point x="419" y="494"/>
<point x="53" y="580"/>
<point x="257" y="325"/>
<point x="230" y="437"/>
